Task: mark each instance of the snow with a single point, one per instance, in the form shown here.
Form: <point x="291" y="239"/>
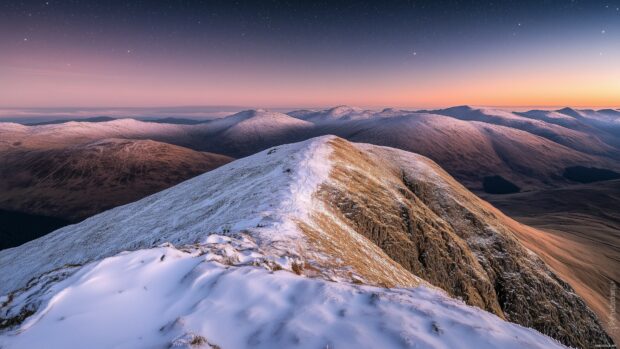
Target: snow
<point x="11" y="126"/>
<point x="214" y="262"/>
<point x="335" y="114"/>
<point x="115" y="127"/>
<point x="167" y="297"/>
<point x="262" y="194"/>
<point x="551" y="115"/>
<point x="256" y="120"/>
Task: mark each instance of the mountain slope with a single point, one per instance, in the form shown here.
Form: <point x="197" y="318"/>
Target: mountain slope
<point x="72" y="133"/>
<point x="249" y="131"/>
<point x="324" y="209"/>
<point x="334" y="114"/>
<point x="64" y="182"/>
<point x="581" y="225"/>
<point x="577" y="139"/>
<point x="471" y="150"/>
<point x="604" y="124"/>
<point x="240" y="134"/>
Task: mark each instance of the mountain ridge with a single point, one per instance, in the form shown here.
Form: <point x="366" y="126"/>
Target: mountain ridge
<point x="308" y="207"/>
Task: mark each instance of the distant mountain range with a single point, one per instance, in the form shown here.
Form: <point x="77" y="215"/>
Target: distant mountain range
<point x="168" y="120"/>
<point x="328" y="209"/>
<point x="530" y="150"/>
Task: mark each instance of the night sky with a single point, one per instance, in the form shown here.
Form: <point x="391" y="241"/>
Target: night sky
<point x="309" y="53"/>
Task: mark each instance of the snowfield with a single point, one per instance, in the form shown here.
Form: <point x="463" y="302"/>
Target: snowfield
<point x="168" y="298"/>
<point x="220" y="261"/>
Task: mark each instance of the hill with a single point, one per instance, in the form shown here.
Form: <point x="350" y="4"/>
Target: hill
<point x="324" y="209"/>
<point x="79" y="181"/>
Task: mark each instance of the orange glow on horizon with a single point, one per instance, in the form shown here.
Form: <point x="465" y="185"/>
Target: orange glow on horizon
<point x="95" y="81"/>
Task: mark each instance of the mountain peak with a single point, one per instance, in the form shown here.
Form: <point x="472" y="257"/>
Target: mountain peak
<point x="323" y="209"/>
<point x="255" y="114"/>
<point x="341" y="112"/>
<point x="341" y="109"/>
<point x="570" y="112"/>
<point x="461" y="108"/>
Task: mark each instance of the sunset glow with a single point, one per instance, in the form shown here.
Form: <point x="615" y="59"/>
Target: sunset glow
<point x="204" y="58"/>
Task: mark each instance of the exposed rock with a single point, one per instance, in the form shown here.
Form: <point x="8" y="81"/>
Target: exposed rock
<point x="439" y="231"/>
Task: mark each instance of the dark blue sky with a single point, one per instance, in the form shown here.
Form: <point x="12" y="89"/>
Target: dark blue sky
<point x="407" y="50"/>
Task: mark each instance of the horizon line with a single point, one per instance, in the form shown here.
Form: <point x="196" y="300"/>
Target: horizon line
<point x="322" y="107"/>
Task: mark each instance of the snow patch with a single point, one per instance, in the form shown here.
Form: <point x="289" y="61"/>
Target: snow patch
<point x="165" y="297"/>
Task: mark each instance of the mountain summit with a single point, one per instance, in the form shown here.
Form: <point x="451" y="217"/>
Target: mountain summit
<point x="294" y="247"/>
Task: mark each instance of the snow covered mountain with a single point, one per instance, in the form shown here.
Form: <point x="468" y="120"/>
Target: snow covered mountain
<point x="60" y="135"/>
<point x="249" y="131"/>
<point x="473" y="145"/>
<point x="604" y="123"/>
<point x="322" y="243"/>
<point x="577" y="138"/>
<point x="472" y="150"/>
<point x="339" y="113"/>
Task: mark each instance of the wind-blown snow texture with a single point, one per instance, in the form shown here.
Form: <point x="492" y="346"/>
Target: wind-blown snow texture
<point x="229" y="282"/>
<point x="164" y="297"/>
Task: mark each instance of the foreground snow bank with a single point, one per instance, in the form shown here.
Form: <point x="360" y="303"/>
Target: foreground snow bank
<point x="200" y="298"/>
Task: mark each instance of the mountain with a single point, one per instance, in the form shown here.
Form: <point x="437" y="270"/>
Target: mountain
<point x="477" y="146"/>
<point x="73" y="133"/>
<point x="576" y="139"/>
<point x="581" y="225"/>
<point x="236" y="135"/>
<point x="321" y="237"/>
<point x="62" y="121"/>
<point x="77" y="181"/>
<point x="472" y="150"/>
<point x="334" y="114"/>
<point x="249" y="131"/>
<point x="177" y="121"/>
<point x="603" y="124"/>
<point x="163" y="120"/>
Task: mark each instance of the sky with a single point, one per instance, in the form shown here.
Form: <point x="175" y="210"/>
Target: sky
<point x="278" y="54"/>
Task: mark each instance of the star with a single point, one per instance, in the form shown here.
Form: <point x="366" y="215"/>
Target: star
<point x="415" y="53"/>
<point x="25" y="39"/>
<point x="128" y="51"/>
<point x="603" y="31"/>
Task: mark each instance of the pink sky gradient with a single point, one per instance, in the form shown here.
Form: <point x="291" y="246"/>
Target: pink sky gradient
<point x="62" y="75"/>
